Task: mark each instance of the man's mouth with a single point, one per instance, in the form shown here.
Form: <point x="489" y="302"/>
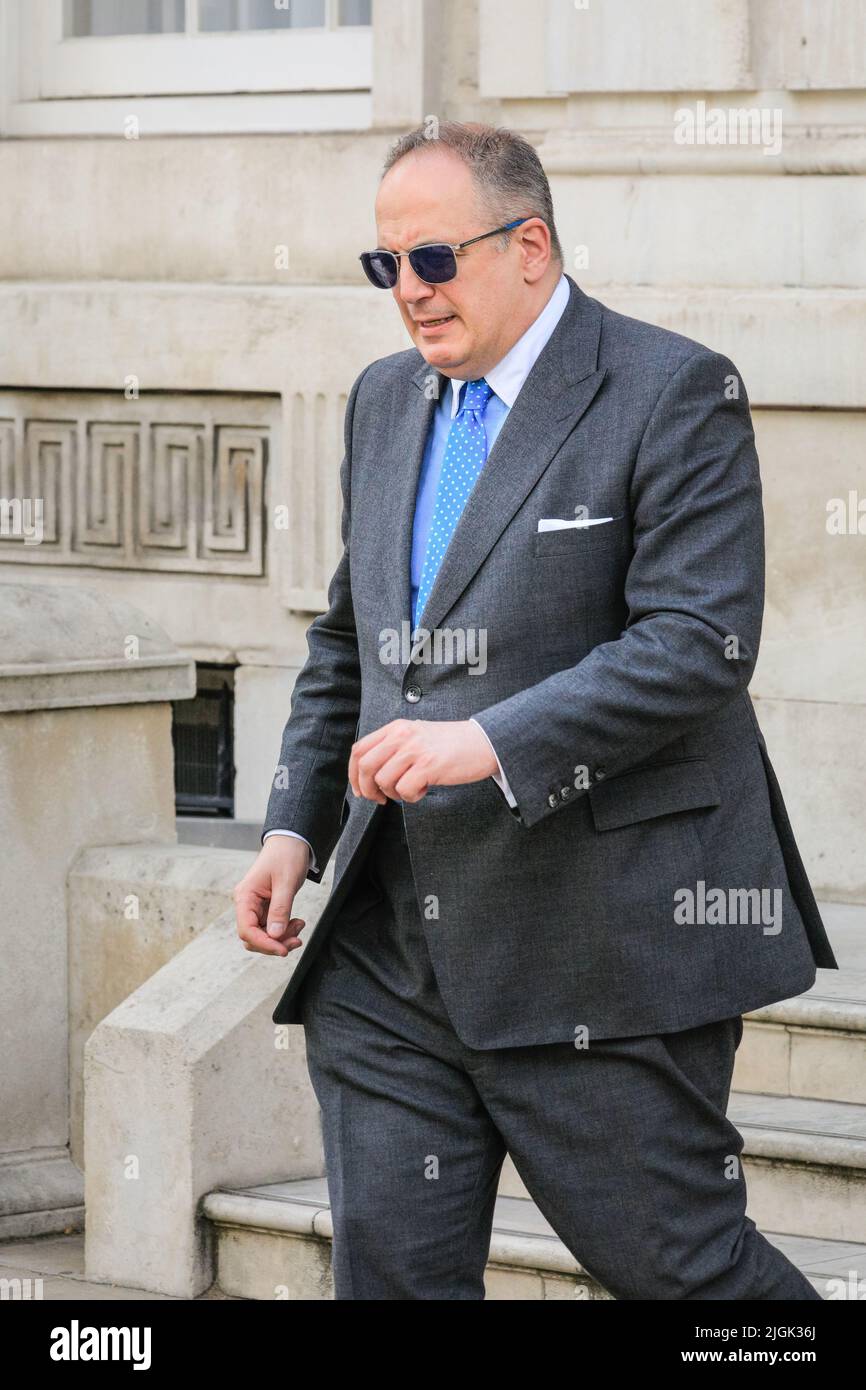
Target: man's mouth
<point x="435" y="323"/>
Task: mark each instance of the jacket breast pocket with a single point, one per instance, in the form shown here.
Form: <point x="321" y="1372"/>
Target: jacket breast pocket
<point x="660" y="789"/>
<point x="576" y="541"/>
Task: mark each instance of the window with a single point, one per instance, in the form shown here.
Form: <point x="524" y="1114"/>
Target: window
<point x="89" y="18"/>
<point x="104" y="18"/>
<point x="203" y="736"/>
<point x="88" y="66"/>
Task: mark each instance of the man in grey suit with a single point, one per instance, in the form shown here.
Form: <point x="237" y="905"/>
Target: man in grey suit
<point x="565" y="868"/>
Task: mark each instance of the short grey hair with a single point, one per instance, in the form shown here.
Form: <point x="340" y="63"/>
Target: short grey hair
<point x="507" y="171"/>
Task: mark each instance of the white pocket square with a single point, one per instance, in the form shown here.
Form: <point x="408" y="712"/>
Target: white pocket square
<point x="555" y="523"/>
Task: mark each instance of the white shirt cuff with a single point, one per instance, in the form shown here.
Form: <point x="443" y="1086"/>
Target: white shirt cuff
<point x="499" y="777"/>
<point x="295" y="836"/>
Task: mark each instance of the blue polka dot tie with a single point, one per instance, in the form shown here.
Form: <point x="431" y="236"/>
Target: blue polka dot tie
<point x="464" y="457"/>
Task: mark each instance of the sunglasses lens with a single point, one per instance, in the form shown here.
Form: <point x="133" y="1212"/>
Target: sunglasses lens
<point x="380" y="267"/>
<point x="434" y="264"/>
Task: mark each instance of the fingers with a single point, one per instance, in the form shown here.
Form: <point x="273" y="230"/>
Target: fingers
<point x="381" y="758"/>
<point x="357" y="751"/>
<point x="361" y="784"/>
<point x="389" y="772"/>
<point x="413" y="784"/>
<point x="281" y="925"/>
<point x="263" y="927"/>
<point x="266" y="945"/>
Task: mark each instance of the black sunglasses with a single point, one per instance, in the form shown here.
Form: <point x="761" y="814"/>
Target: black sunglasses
<point x="433" y="264"/>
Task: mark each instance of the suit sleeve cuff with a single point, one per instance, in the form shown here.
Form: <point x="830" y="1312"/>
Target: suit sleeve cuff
<point x="499" y="777"/>
<point x="295" y="836"/>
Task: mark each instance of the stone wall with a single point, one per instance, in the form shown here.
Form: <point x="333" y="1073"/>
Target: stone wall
<point x="227" y="263"/>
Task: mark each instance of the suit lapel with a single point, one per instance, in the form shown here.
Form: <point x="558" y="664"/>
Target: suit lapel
<point x="558" y="390"/>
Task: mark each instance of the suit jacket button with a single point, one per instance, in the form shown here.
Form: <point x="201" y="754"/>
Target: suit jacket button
<point x="564" y="792"/>
<point x="599" y="774"/>
<point x="413" y="694"/>
<point x="553" y="799"/>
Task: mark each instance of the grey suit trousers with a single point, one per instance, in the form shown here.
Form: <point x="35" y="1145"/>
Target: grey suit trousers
<point x="624" y="1144"/>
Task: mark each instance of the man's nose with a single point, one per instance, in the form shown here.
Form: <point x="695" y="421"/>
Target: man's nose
<point x="411" y="288"/>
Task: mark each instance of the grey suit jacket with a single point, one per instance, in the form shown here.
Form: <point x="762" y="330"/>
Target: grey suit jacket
<point x="615" y="694"/>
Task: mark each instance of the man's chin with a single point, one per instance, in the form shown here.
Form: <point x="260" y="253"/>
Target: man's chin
<point x="443" y="355"/>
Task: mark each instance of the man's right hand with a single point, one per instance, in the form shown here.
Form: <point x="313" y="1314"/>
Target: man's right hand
<point x="264" y="897"/>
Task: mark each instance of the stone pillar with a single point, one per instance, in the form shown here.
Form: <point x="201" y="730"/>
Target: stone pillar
<point x="85" y="759"/>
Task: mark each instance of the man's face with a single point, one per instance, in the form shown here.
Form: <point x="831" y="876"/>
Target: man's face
<point x="465" y="326"/>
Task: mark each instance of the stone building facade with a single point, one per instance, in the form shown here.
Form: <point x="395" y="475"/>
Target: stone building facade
<point x="182" y="311"/>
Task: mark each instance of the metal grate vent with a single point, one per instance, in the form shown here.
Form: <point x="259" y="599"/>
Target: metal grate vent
<point x="202" y="733"/>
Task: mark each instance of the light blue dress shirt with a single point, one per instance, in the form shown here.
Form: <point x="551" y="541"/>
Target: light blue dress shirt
<point x="506" y="380"/>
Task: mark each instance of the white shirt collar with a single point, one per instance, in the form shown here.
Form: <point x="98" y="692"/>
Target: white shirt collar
<point x="508" y="376"/>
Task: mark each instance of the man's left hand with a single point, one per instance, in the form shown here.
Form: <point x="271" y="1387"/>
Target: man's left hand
<point x="403" y="758"/>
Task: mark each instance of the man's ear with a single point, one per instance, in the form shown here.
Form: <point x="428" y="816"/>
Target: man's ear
<point x="535" y="247"/>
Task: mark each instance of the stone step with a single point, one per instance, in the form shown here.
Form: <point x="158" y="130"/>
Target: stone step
<point x="273" y="1242"/>
<point x="805" y="1164"/>
<point x="815" y="1044"/>
<point x="804" y="1161"/>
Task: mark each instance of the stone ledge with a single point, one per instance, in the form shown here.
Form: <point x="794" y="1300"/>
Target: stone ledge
<point x="62" y="648"/>
<point x="41" y="1190"/>
<point x="256" y="335"/>
<point x="191" y="1050"/>
<point x="641" y="150"/>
